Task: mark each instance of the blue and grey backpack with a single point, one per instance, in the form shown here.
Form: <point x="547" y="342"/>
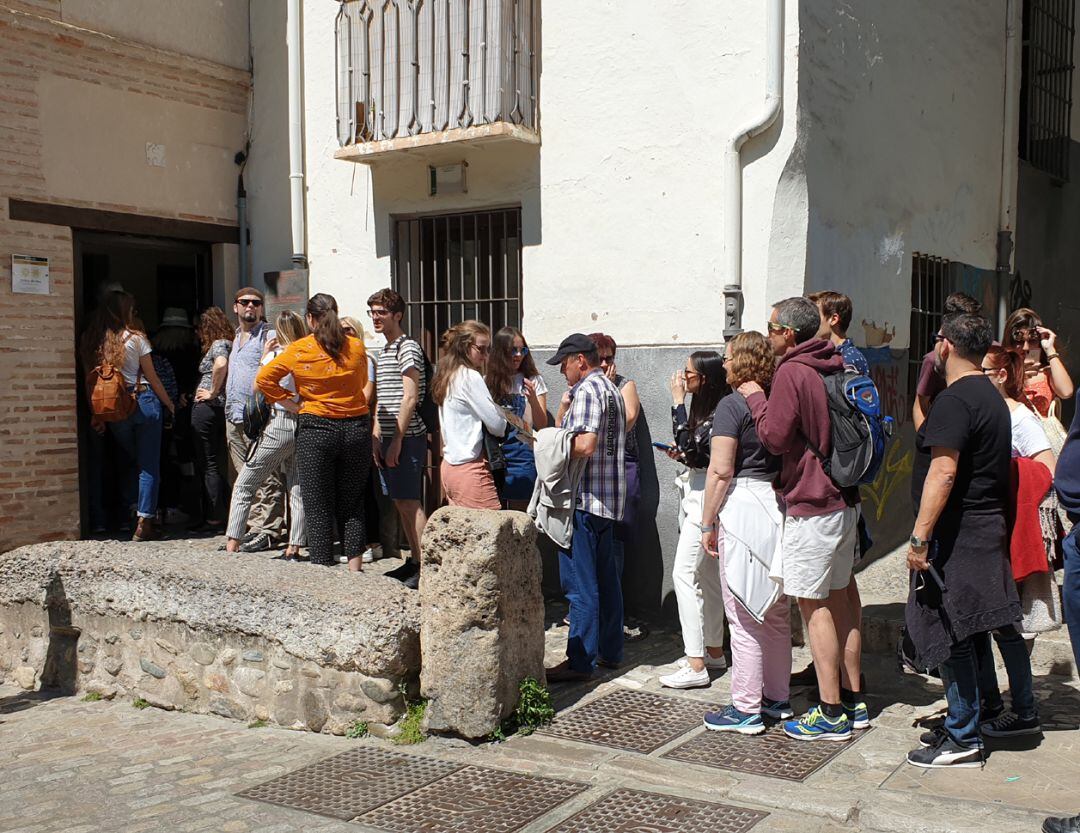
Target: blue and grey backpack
<point x="859" y="431"/>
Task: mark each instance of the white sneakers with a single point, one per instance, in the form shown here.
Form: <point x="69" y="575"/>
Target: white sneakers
<point x="372" y="553"/>
<point x="686" y="677"/>
<point x="715" y="663"/>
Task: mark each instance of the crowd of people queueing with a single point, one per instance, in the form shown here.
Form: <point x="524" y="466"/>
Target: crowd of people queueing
<point x="762" y="522"/>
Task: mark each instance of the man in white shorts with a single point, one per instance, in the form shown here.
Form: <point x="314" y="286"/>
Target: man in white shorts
<point x="820" y="528"/>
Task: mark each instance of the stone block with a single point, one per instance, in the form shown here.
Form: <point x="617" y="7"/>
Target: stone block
<point x="25" y="676"/>
<point x="106" y="691"/>
<point x="250" y="681"/>
<point x="482" y="617"/>
<point x="152" y="669"/>
<point x="202" y="653"/>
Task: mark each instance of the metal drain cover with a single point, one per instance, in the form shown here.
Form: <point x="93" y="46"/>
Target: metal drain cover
<point x="633" y="720"/>
<point x="632" y="810"/>
<point x="473" y="799"/>
<point x="773" y="754"/>
<point x="350" y="784"/>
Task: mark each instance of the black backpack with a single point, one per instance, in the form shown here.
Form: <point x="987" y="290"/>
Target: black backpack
<point x="858" y="430"/>
<point x="426" y="409"/>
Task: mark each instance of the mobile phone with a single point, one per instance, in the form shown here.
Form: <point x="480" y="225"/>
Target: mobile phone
<point x="663" y="447"/>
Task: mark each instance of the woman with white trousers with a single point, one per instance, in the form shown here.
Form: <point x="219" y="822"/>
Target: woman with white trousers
<point x="695" y="575"/>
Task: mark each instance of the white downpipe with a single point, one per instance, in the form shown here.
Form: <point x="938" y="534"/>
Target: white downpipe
<point x="296" y="134"/>
<point x="733" y="202"/>
<point x="1010" y="155"/>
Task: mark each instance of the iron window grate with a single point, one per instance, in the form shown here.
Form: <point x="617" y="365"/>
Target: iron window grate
<point x="1046" y="85"/>
<point x="931" y="283"/>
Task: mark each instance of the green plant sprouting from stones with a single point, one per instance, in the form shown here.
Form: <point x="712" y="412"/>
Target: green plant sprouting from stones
<point x="359" y="729"/>
<point x="533" y="710"/>
<point x="92" y="697"/>
<point x="411" y="724"/>
<point x="258" y="724"/>
<point x="140" y="703"/>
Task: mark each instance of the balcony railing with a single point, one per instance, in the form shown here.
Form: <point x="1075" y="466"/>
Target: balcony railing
<point x="408" y="68"/>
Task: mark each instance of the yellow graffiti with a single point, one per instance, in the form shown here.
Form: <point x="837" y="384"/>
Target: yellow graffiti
<point x="894" y="472"/>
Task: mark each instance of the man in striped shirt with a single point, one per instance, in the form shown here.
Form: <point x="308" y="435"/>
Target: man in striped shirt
<point x="591" y="570"/>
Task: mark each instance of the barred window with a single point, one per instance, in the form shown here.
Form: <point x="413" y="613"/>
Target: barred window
<point x="930" y="286"/>
<point x="453" y="267"/>
<point x="1046" y="85"/>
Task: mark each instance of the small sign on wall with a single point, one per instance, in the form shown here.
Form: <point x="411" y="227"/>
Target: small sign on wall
<point x="30" y="274"/>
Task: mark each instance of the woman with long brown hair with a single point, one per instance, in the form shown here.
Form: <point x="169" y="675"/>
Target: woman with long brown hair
<point x="515" y="383"/>
<point x="333" y="437"/>
<point x="113" y="338"/>
<point x="1046" y="379"/>
<point x="208" y="417"/>
<point x="466" y="409"/>
<point x="274" y="450"/>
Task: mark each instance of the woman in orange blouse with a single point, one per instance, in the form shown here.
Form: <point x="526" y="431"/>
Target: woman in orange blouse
<point x="333" y="437"/>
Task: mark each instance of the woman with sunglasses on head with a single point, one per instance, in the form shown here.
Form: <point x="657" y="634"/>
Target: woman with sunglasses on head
<point x="333" y="437"/>
<point x="466" y="410"/>
<point x="1046" y="379"/>
<point x="695" y="576"/>
<point x="516" y="384"/>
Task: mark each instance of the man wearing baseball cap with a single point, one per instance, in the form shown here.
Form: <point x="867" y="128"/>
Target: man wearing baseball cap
<point x="266" y="523"/>
<point x="590" y="571"/>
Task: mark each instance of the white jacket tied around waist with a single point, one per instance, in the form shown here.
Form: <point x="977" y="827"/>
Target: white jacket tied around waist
<point x="752" y="524"/>
<point x="555" y="493"/>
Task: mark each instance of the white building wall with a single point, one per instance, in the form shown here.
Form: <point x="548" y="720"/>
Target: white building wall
<point x="620" y="203"/>
<point x="901" y="105"/>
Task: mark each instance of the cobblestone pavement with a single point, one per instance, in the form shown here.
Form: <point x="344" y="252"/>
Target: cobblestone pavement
<point x="78" y="766"/>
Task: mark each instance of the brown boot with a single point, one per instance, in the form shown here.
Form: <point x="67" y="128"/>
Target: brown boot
<point x="146" y="530"/>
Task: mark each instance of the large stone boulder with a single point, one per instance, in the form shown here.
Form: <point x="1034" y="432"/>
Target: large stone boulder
<point x="185" y="626"/>
<point x="482" y="618"/>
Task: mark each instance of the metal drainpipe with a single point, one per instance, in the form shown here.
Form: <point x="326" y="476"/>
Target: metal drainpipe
<point x="733" y="206"/>
<point x="241" y="220"/>
<point x="296" y="135"/>
<point x="1010" y="142"/>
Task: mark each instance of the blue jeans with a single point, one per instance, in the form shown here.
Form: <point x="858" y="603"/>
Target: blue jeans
<point x="1010" y="643"/>
<point x="960" y="675"/>
<point x="1070" y="590"/>
<point x="140" y="437"/>
<point x="591" y="577"/>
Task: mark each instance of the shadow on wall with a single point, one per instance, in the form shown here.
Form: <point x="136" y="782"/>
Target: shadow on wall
<point x="60" y="671"/>
<point x="643" y="569"/>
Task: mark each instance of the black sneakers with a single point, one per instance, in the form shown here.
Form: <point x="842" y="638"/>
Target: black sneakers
<point x="945" y="753"/>
<point x="409" y="570"/>
<point x="1062" y="825"/>
<point x="1011" y="725"/>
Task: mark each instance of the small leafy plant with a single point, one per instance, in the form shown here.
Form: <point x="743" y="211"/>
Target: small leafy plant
<point x="140" y="703"/>
<point x="92" y="697"/>
<point x="411" y="724"/>
<point x="533" y="711"/>
<point x="358" y="730"/>
<point x="258" y="724"/>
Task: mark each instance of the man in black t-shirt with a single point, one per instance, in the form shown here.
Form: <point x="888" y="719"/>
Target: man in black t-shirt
<point x="960" y="485"/>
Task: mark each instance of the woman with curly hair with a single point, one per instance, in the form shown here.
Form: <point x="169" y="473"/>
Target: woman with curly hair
<point x="740" y="505"/>
<point x="208" y="417"/>
<point x="114" y="338"/>
<point x="516" y="384"/>
<point x="466" y="409"/>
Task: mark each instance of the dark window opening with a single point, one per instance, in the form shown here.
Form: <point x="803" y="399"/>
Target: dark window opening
<point x="930" y="285"/>
<point x="1046" y="85"/>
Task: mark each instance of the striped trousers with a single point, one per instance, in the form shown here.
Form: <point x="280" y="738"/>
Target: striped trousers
<point x="274" y="451"/>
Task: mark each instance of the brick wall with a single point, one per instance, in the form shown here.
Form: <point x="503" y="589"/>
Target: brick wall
<point x="39" y="495"/>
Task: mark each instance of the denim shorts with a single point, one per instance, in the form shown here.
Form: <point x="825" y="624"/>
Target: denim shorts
<point x="403" y="482"/>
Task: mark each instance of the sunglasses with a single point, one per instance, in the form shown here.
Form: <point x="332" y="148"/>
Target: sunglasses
<point x="349" y="331"/>
<point x="378" y="313"/>
<point x="249" y="302"/>
<point x="1026" y="336"/>
<point x="483" y="348"/>
<point x="522" y="351"/>
<point x="938" y="337"/>
<point x="774" y="327"/>
<point x="607" y="359"/>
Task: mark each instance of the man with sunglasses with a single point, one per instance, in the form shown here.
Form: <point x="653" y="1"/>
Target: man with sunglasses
<point x="266" y="522"/>
<point x="932" y="380"/>
<point x="960" y="486"/>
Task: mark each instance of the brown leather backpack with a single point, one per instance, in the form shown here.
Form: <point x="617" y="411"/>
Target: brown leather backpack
<point x="110" y="400"/>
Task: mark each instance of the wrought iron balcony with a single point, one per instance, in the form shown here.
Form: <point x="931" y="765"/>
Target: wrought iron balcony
<point x="418" y="73"/>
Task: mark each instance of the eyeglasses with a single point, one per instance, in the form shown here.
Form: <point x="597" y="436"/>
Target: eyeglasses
<point x="520" y="351"/>
<point x="989" y="370"/>
<point x="606" y="359"/>
<point x="378" y="313"/>
<point x="938" y="337"/>
<point x="775" y="327"/>
<point x="1026" y="336"/>
<point x="249" y="302"/>
<point x="349" y="331"/>
<point x="691" y="373"/>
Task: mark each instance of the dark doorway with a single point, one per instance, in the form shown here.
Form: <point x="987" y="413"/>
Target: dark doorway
<point x="162" y="274"/>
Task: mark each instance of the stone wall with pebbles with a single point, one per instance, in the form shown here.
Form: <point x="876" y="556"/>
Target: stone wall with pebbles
<point x="196" y="630"/>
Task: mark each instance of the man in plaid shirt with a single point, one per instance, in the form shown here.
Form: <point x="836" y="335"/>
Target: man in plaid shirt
<point x="591" y="571"/>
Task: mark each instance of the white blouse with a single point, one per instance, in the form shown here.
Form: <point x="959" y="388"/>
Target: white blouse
<point x="467" y="410"/>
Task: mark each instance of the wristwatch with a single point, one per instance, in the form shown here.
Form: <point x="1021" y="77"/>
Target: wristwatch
<point x="917" y="542"/>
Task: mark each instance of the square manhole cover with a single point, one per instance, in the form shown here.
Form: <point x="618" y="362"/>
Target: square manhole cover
<point x="633" y="810"/>
<point x="773" y="753"/>
<point x="633" y="720"/>
<point x="350" y="784"/>
<point x="473" y="800"/>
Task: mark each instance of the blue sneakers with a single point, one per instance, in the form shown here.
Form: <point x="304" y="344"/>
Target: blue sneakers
<point x="776" y="709"/>
<point x="857" y="714"/>
<point x="815" y="725"/>
<point x="730" y="719"/>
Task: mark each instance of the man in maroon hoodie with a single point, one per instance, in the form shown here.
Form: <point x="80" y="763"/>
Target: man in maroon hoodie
<point x="820" y="539"/>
